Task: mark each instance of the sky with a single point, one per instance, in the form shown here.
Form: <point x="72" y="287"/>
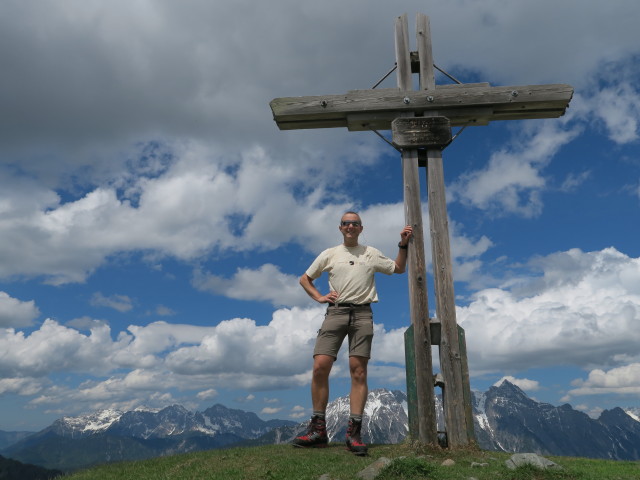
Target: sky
<point x="154" y="221"/>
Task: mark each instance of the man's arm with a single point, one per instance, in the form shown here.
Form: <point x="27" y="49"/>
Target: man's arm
<point x="307" y="283"/>
<point x="401" y="258"/>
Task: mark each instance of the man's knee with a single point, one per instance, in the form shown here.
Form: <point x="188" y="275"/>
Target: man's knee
<point x="358" y="369"/>
<point x="322" y="366"/>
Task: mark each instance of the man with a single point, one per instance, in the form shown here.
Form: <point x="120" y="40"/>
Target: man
<point x="351" y="268"/>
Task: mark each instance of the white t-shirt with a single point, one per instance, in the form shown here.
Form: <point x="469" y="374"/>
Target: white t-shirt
<point x="351" y="271"/>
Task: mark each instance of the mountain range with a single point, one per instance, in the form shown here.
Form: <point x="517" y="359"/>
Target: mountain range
<point x="505" y="419"/>
<point x="72" y="443"/>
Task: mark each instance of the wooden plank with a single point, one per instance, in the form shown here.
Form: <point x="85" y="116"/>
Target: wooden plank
<point x="417" y="272"/>
<point x="450" y="360"/>
<point x="418" y="300"/>
<point x="416" y="132"/>
<point x="425" y="53"/>
<point x="382" y="121"/>
<point x="403" y="54"/>
<point x="519" y="101"/>
<point x="359" y="122"/>
<point x="466" y="385"/>
<point x="412" y="392"/>
<point x="453" y="401"/>
<point x="467" y="85"/>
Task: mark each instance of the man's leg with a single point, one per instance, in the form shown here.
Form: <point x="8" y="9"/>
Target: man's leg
<point x="330" y="336"/>
<point x="316" y="435"/>
<point x="320" y="382"/>
<point x="359" y="388"/>
<point x="358" y="399"/>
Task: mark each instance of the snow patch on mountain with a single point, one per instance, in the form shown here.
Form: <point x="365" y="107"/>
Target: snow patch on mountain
<point x="633" y="412"/>
<point x="92" y="423"/>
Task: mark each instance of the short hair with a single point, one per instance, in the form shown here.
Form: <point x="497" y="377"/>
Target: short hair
<point x="351" y="212"/>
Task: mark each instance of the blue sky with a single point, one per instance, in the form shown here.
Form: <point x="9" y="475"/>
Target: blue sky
<point x="154" y="221"/>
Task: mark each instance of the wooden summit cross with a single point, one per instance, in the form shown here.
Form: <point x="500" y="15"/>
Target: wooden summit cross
<point x="421" y="122"/>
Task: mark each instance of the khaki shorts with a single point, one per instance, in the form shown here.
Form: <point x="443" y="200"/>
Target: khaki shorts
<point x="340" y="321"/>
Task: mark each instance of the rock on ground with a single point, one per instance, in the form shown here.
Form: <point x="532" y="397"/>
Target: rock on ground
<point x="374" y="469"/>
<point x="519" y="459"/>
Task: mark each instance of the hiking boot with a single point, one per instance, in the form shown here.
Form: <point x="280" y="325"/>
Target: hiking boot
<point x="354" y="441"/>
<point x="316" y="436"/>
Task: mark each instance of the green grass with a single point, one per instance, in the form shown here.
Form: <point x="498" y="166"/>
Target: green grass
<point x="282" y="462"/>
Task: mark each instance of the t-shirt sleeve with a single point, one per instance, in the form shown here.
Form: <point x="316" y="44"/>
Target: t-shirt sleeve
<point x="318" y="265"/>
<point x="384" y="264"/>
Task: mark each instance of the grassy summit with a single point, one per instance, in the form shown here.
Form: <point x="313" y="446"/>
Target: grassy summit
<point x="283" y="462"/>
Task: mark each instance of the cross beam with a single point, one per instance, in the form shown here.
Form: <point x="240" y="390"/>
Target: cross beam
<point x="464" y="104"/>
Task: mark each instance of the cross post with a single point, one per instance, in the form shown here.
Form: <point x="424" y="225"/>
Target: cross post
<point x="422" y="414"/>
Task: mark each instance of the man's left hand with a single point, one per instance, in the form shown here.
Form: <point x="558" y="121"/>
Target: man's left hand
<point x="406" y="234"/>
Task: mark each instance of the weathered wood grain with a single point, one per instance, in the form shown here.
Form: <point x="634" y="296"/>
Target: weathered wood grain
<point x="415" y="132"/>
<point x="417" y="271"/>
<point x="456" y="102"/>
<point x="450" y="367"/>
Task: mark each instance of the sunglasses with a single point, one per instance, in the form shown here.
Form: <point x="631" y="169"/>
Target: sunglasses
<point x="346" y="223"/>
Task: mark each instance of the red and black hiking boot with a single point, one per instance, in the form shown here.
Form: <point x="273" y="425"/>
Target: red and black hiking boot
<point x="316" y="436"/>
<point x="354" y="441"/>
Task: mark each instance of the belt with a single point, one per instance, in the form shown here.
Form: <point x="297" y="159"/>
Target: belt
<point x="350" y="305"/>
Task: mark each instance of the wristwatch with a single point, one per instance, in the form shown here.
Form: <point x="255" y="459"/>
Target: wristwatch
<point x="403" y="247"/>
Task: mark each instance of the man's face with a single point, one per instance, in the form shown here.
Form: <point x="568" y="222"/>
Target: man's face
<point x="350" y="226"/>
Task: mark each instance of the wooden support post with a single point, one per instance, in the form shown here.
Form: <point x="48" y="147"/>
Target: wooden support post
<point x="450" y="359"/>
<point x="450" y="365"/>
<point x="412" y="391"/>
<point x="418" y="298"/>
<point x="466" y="386"/>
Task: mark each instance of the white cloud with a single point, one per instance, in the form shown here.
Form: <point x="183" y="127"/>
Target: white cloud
<point x="297" y="412"/>
<point x="16" y="313"/>
<point x="523" y="383"/>
<point x="207" y="394"/>
<point x="624" y="380"/>
<point x="22" y="386"/>
<point x="158" y="337"/>
<point x="618" y="107"/>
<point x="177" y="49"/>
<point x="393" y="377"/>
<point x="582" y="311"/>
<point x="87" y="323"/>
<point x="123" y="392"/>
<point x="267" y="283"/>
<point x="164" y="311"/>
<point x="159" y="358"/>
<point x="54" y="348"/>
<point x="513" y="179"/>
<point x="196" y="191"/>
<point x="280" y="349"/>
<point x="192" y="209"/>
<point x="248" y="398"/>
<point x="383" y="223"/>
<point x="388" y="346"/>
<point x="98" y="104"/>
<point x="593" y="412"/>
<point x="574" y="180"/>
<point x="270" y="410"/>
<point x="121" y="303"/>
